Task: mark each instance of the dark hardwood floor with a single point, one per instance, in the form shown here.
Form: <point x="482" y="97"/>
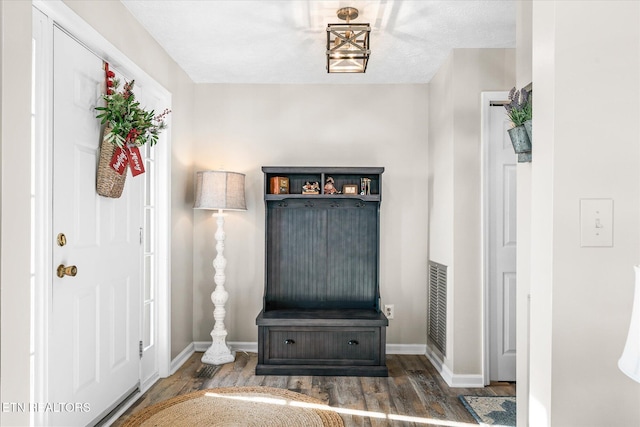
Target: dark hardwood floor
<point x="413" y="389"/>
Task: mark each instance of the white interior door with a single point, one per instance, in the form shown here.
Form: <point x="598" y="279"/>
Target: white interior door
<point x="95" y="319"/>
<point x="502" y="247"/>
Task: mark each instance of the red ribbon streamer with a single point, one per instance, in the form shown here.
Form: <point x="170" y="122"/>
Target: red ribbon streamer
<point x="119" y="160"/>
<point x="135" y="161"/>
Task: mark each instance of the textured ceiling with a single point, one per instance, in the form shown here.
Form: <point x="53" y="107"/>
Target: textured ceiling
<point x="242" y="41"/>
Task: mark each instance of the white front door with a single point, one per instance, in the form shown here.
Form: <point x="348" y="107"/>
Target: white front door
<point x="502" y="247"/>
<point x="94" y="331"/>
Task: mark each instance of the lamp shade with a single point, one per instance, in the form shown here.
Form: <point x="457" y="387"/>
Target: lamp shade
<point x="629" y="363"/>
<point x="220" y="190"/>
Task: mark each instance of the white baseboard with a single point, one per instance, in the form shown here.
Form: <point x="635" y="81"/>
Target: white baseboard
<point x="467" y="381"/>
<point x="252" y="347"/>
<point x="181" y="358"/>
<point x="406" y="348"/>
<point x="201" y="346"/>
<point x="454" y="380"/>
<point x="146" y="385"/>
<point x="249" y="347"/>
<point x="124" y="408"/>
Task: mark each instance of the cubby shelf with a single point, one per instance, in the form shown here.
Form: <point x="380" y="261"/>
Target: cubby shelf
<point x="298" y="176"/>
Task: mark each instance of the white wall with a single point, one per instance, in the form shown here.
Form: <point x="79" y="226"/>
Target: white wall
<point x="586" y="111"/>
<point x="244" y="127"/>
<point x="441" y="138"/>
<point x="441" y="171"/>
<point x="523" y="267"/>
<point x="523" y="42"/>
<point x="455" y="191"/>
<point x="15" y="140"/>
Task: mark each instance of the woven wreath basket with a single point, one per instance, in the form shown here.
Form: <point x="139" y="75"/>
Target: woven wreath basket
<point x="109" y="183"/>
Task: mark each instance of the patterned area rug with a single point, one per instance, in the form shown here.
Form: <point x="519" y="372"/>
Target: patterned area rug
<point x="491" y="410"/>
<point x="238" y="406"/>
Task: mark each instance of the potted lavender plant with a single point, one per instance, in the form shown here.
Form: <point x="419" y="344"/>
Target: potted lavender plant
<point x="519" y="112"/>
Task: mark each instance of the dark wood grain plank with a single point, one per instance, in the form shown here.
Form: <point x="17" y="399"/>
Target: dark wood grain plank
<point x="347" y="394"/>
<point x="376" y="399"/>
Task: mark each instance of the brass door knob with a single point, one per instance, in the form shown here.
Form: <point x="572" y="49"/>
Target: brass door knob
<point x="67" y="271"/>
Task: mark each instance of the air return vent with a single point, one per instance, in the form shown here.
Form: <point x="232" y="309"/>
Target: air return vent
<point x="437" y="326"/>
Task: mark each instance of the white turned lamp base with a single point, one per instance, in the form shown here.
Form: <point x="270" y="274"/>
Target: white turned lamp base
<point x="219" y="353"/>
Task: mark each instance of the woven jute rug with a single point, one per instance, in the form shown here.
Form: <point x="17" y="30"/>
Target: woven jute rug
<point x="238" y="406"/>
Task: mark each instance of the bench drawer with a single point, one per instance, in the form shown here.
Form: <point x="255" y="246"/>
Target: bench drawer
<point x="322" y="345"/>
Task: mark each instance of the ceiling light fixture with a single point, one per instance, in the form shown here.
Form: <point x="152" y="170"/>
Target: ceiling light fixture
<point x="348" y="46"/>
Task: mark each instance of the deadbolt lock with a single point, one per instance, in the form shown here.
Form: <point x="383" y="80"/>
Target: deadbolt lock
<point x="62" y="239"/>
<point x="67" y="271"/>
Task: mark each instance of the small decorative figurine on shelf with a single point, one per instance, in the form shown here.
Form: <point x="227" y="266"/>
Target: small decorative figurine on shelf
<point x="365" y="186"/>
<point x="311" y="188"/>
<point x="329" y="187"/>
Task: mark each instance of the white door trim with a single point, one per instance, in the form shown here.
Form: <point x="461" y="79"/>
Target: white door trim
<point x="42" y="250"/>
<point x="64" y="17"/>
<point x="486" y="99"/>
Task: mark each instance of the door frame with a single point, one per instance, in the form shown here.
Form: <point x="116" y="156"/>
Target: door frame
<point x="57" y="13"/>
<point x="486" y="99"/>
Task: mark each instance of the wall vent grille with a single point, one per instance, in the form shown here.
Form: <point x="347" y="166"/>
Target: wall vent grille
<point x="437" y="303"/>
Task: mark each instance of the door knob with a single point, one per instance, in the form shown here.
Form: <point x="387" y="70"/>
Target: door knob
<point x="67" y="271"/>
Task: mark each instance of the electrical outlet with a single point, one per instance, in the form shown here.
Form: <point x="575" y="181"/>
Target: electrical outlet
<point x="388" y="311"/>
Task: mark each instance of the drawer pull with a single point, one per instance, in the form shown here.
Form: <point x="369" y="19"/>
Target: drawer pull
<point x="353" y="342"/>
<point x="289" y="342"/>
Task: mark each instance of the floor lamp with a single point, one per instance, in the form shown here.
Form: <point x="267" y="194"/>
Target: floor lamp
<point x="629" y="363"/>
<point x="219" y="190"/>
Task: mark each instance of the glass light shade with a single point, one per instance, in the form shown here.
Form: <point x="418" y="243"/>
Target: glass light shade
<point x="629" y="363"/>
<point x="348" y="48"/>
<point x="220" y="190"/>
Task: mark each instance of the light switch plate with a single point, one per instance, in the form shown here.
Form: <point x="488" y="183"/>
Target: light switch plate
<point x="596" y="222"/>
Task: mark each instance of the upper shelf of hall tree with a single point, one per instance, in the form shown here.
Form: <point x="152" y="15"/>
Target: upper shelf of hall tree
<point x="282" y="182"/>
